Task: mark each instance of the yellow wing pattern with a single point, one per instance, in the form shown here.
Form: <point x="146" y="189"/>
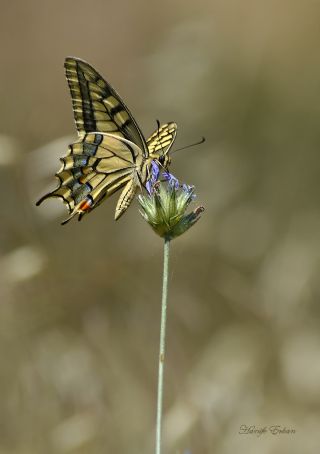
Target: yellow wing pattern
<point x="160" y="142"/>
<point x="111" y="152"/>
<point x="97" y="106"/>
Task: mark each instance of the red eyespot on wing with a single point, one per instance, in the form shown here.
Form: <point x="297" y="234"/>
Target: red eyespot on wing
<point x="85" y="205"/>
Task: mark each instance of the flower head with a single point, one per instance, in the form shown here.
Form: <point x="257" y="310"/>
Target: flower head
<point x="165" y="204"/>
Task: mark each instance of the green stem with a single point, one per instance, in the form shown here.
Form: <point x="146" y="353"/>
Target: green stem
<point x="162" y="342"/>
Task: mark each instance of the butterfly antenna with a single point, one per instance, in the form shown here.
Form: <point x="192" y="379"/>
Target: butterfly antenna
<point x="191" y="145"/>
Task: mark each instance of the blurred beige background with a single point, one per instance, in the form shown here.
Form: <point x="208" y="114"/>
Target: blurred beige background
<point x="80" y="304"/>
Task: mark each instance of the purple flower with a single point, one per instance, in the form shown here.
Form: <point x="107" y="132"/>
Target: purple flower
<point x="172" y="180"/>
<point x="189" y="190"/>
<point x="155" y="171"/>
<point x="154" y="177"/>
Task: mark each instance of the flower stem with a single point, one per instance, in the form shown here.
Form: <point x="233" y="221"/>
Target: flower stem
<point x="162" y="342"/>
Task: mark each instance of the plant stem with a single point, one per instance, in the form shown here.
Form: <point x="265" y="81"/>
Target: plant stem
<point x="162" y="342"/>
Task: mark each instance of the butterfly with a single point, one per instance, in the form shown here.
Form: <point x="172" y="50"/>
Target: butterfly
<point x="111" y="152"/>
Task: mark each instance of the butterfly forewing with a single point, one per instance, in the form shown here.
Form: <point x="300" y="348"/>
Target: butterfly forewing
<point x="160" y="142"/>
<point x="97" y="106"/>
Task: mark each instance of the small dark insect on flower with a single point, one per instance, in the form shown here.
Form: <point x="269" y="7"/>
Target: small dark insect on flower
<point x="165" y="203"/>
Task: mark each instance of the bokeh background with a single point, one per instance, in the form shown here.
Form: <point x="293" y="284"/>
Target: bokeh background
<point x="80" y="304"/>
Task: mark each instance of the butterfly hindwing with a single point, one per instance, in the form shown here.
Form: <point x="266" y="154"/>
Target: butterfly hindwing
<point x="94" y="169"/>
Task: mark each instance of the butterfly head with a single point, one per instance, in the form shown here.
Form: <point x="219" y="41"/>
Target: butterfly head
<point x="164" y="161"/>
